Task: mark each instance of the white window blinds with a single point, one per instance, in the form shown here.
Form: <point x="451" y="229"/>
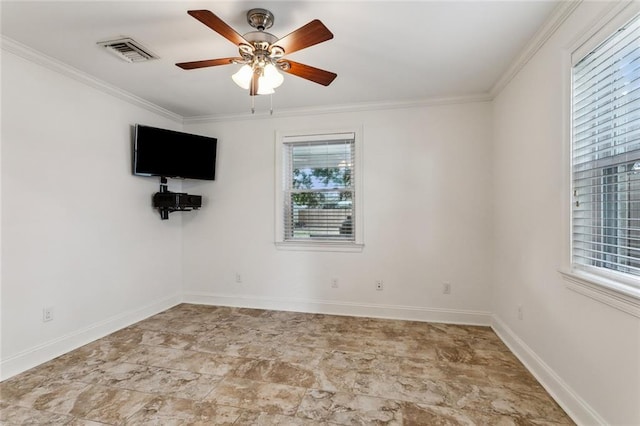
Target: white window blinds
<point x="319" y="190"/>
<point x="606" y="155"/>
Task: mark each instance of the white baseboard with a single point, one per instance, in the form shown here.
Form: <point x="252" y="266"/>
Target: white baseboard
<point x="579" y="411"/>
<point x="329" y="307"/>
<point x="37" y="355"/>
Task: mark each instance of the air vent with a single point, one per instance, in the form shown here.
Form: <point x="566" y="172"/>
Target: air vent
<point x="128" y="50"/>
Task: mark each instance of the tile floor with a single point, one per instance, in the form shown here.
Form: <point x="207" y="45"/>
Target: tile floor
<point x="207" y="365"/>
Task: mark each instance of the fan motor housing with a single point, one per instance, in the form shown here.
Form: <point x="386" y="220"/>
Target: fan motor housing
<point x="254" y="37"/>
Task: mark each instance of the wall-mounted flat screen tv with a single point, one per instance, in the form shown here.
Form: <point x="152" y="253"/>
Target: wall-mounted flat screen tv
<point x="167" y="153"/>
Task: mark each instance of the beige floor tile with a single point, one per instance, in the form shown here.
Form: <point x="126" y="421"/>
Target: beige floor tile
<point x="253" y="418"/>
<point x="349" y="409"/>
<point x="180" y="359"/>
<point x="107" y="404"/>
<point x="57" y="396"/>
<point x="206" y="365"/>
<point x="13" y="415"/>
<point x="168" y="411"/>
<point x="272" y="398"/>
<point x="421" y="391"/>
<point x="156" y="380"/>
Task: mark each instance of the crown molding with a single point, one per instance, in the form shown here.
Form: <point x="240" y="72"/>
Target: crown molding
<point x="9" y="45"/>
<point x="561" y="12"/>
<point x="337" y="109"/>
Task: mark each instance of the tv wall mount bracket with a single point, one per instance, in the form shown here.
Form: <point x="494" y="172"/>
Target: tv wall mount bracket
<point x="167" y="202"/>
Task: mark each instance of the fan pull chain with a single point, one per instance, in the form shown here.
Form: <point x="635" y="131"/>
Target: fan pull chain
<point x="253" y="104"/>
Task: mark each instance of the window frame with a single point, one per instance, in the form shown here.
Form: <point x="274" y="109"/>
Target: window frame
<point x="353" y="245"/>
<point x="616" y="289"/>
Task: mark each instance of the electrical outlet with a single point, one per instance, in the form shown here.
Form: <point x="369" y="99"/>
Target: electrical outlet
<point x="238" y="278"/>
<point x="520" y="315"/>
<point x="334" y="283"/>
<point x="446" y="288"/>
<point x="47" y="314"/>
<point x="379" y="285"/>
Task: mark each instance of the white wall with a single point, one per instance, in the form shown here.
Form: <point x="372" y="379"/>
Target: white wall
<point x="427" y="219"/>
<point x="587" y="353"/>
<point x="78" y="230"/>
<point x="471" y="194"/>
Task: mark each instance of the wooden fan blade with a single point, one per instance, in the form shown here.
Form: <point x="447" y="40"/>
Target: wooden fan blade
<point x="218" y="25"/>
<point x="313" y="33"/>
<point x="206" y="63"/>
<point x="310" y="73"/>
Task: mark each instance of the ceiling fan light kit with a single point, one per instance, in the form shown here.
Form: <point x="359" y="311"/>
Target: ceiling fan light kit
<point x="261" y="53"/>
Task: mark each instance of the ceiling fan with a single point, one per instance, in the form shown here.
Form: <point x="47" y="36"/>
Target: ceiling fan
<point x="261" y="53"/>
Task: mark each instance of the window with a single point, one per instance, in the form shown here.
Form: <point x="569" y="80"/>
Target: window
<point x="318" y="192"/>
<point x="606" y="158"/>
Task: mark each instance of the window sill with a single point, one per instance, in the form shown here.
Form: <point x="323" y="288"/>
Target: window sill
<point x="319" y="246"/>
<point x="622" y="297"/>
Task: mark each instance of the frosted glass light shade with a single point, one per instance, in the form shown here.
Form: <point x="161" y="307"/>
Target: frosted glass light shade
<point x="264" y="86"/>
<point x="243" y="77"/>
<point x="272" y="75"/>
<point x="269" y="80"/>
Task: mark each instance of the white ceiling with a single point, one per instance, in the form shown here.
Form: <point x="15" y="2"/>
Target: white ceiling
<point x="382" y="51"/>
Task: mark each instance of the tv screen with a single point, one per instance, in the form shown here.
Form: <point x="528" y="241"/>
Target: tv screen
<point x="162" y="152"/>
